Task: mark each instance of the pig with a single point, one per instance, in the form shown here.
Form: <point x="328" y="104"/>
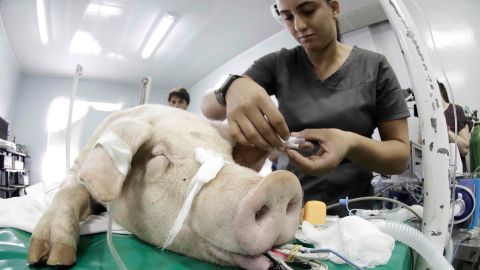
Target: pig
<point x="233" y="221"/>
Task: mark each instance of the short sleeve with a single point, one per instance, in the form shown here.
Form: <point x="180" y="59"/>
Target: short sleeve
<point x="263" y="72"/>
<point x="390" y="102"/>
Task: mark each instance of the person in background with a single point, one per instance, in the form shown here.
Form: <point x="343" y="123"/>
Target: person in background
<point x="179" y="98"/>
<point x="463" y="131"/>
<point x="329" y="93"/>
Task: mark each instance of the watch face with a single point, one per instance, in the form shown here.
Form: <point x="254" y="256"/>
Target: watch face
<point x="222" y="80"/>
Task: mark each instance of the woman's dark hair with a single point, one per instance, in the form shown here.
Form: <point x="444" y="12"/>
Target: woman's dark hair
<point x="337" y="26"/>
<point x="443" y="92"/>
<point x="181" y="93"/>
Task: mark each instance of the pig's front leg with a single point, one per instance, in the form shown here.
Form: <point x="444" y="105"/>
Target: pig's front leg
<point x="55" y="237"/>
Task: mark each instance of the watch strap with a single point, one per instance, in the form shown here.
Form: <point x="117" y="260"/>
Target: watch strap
<point x="221" y="92"/>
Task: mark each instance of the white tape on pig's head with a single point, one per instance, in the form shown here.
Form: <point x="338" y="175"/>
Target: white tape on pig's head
<point x="211" y="164"/>
<point x="118" y="150"/>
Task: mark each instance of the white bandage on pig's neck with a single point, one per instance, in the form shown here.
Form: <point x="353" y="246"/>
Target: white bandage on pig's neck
<point x="117" y="150"/>
<point x="211" y="164"/>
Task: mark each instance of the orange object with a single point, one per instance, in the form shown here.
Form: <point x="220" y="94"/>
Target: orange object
<point x="315" y="213"/>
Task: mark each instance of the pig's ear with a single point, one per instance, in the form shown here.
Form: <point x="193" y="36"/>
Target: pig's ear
<point x="108" y="163"/>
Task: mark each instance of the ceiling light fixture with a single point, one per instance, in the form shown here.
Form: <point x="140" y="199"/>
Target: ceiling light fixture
<point x="42" y="21"/>
<point x="103" y="10"/>
<point x="157" y="35"/>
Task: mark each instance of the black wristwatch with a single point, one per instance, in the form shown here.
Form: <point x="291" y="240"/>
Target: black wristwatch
<point x="221" y="92"/>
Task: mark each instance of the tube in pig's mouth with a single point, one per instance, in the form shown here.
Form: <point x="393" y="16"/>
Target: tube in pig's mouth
<point x="260" y="262"/>
<point x="248" y="262"/>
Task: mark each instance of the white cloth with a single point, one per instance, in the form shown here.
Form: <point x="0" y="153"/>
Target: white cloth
<point x="24" y="212"/>
<point x="354" y="237"/>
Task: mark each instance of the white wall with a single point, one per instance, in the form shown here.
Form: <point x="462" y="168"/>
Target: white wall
<point x="239" y="64"/>
<point x="9" y="75"/>
<point x="35" y="95"/>
<point x="455" y="26"/>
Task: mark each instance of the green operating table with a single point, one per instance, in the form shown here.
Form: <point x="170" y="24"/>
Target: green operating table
<point x="93" y="253"/>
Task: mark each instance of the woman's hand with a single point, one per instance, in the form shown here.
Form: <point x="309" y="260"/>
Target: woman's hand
<point x="334" y="147"/>
<point x="253" y="118"/>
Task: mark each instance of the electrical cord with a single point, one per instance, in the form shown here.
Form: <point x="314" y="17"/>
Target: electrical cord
<point x="319" y="250"/>
<point x="304" y="254"/>
<point x="274" y="257"/>
<point x="471" y="234"/>
<point x="378" y="199"/>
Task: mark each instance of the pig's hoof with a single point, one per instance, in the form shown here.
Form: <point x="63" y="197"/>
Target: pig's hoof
<point x="42" y="251"/>
<point x="54" y="240"/>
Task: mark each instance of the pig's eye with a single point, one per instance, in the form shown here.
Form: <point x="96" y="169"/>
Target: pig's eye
<point x="158" y="163"/>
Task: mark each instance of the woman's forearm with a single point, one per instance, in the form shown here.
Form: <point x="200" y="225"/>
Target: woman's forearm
<point x="463" y="140"/>
<point x="386" y="157"/>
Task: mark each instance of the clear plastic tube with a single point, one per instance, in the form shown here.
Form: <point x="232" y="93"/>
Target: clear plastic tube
<point x="371" y="198"/>
<point x="111" y="247"/>
<point x="416" y="240"/>
<point x="68" y="136"/>
<point x="402" y="214"/>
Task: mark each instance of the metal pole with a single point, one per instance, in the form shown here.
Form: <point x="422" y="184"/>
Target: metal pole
<point x="146" y="85"/>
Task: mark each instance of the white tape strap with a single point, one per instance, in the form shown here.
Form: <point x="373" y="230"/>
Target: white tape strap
<point x="211" y="164"/>
<point x="117" y="150"/>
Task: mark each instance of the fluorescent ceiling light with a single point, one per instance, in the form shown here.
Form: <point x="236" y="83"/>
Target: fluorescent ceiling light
<point x="116" y="56"/>
<point x="157" y="35"/>
<point x="84" y="43"/>
<point x="103" y="10"/>
<point x="42" y="21"/>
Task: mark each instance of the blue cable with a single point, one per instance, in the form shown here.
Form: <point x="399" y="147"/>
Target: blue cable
<point x="322" y="250"/>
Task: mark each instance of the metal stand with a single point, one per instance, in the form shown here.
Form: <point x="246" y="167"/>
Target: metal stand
<point x="146" y="86"/>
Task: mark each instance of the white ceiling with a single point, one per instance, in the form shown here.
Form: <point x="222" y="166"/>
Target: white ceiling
<point x="206" y="35"/>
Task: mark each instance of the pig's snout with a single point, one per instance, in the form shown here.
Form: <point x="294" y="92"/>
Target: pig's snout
<point x="269" y="214"/>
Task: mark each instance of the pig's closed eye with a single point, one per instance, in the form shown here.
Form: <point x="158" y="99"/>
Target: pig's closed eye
<point x="161" y="149"/>
<point x="158" y="163"/>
